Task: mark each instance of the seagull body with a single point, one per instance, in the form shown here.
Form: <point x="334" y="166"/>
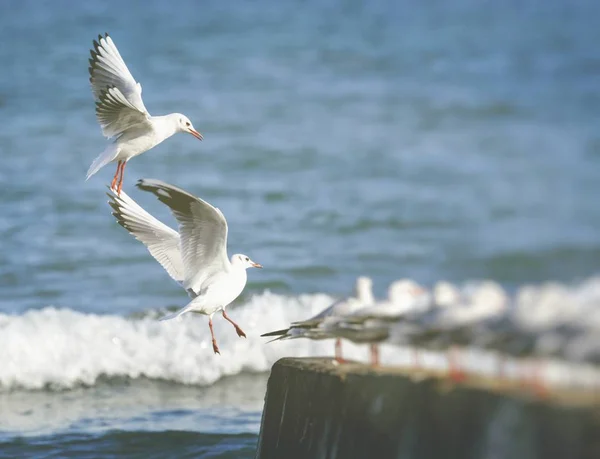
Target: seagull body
<point x="404" y="297"/>
<point x="364" y="296"/>
<point x="196" y="256"/>
<point x="315" y="327"/>
<point x="121" y="112"/>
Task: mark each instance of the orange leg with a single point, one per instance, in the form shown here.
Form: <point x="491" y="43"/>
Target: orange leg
<point x="374" y="355"/>
<point x="114" y="180"/>
<point x="455" y="373"/>
<point x="212" y="334"/>
<point x="239" y="331"/>
<point x="539" y="385"/>
<point x="338" y="351"/>
<point x="121" y="178"/>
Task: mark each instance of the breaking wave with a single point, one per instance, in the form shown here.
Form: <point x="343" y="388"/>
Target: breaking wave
<point x="59" y="348"/>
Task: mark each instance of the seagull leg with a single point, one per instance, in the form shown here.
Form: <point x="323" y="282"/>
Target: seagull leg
<point x="416" y="359"/>
<point x="455" y="371"/>
<point x="539" y="386"/>
<point x="121" y="178"/>
<point x="374" y="355"/>
<point x="502" y="368"/>
<point x="212" y="334"/>
<point x="338" y="351"/>
<point x="114" y="180"/>
<point x="239" y="331"/>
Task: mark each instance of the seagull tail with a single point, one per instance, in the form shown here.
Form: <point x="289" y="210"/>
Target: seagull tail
<point x="176" y="314"/>
<point x="277" y="333"/>
<point x="103" y="159"/>
<point x="279" y="338"/>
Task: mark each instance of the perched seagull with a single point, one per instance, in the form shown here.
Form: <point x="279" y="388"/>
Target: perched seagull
<point x="196" y="257"/>
<point x="405" y="297"/>
<point x="313" y="327"/>
<point x="122" y="114"/>
<point x="372" y="324"/>
<point x="454" y="322"/>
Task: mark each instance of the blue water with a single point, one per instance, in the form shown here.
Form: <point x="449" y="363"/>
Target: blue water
<point x="432" y="140"/>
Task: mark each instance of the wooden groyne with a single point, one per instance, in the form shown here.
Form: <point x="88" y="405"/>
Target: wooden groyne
<point x="317" y="409"/>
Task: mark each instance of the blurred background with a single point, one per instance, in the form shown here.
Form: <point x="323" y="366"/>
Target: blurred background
<point x="429" y="140"/>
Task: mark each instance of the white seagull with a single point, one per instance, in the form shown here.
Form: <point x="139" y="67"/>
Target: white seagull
<point x="371" y="324"/>
<point x="196" y="257"/>
<point x="313" y="328"/>
<point x="122" y="114"/>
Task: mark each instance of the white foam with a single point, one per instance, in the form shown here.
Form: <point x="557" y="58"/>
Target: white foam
<point x="61" y="348"/>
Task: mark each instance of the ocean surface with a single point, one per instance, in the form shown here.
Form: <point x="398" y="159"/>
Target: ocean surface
<point x="430" y="140"/>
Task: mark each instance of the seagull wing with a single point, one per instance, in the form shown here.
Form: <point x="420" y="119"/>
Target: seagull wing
<point x="380" y="311"/>
<point x="161" y="241"/>
<point x="341" y="307"/>
<point x="203" y="233"/>
<point x="119" y="104"/>
<point x="317" y="319"/>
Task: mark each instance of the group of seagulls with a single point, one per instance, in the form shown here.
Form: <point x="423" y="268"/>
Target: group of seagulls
<point x="483" y="317"/>
<point x="444" y="319"/>
<point x="196" y="255"/>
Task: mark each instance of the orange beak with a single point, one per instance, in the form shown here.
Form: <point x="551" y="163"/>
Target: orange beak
<point x="195" y="134"/>
<point x="256" y="265"/>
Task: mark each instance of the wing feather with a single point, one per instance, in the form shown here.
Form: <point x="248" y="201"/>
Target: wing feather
<point x="119" y="104"/>
<point x="203" y="232"/>
<point x="161" y="241"/>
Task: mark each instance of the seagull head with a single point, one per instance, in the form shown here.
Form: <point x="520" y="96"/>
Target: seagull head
<point x="185" y="125"/>
<point x="445" y="294"/>
<point x="409" y="294"/>
<point x="364" y="290"/>
<point x="244" y="261"/>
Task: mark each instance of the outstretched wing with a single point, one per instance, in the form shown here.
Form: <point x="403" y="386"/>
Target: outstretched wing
<point x="202" y="229"/>
<point x="161" y="241"/>
<point x="119" y="104"/>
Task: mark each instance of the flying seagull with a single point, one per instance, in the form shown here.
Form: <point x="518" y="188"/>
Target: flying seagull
<point x="196" y="256"/>
<point x="122" y="114"/>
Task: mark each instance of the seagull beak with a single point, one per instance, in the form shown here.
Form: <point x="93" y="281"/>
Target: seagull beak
<point x="195" y="134"/>
<point x="256" y="265"/>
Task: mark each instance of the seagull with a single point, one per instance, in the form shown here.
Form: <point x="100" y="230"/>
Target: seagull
<point x="404" y="297"/>
<point x="454" y="322"/>
<point x="313" y="328"/>
<point x="372" y="324"/>
<point x="196" y="256"/>
<point x="122" y="114"/>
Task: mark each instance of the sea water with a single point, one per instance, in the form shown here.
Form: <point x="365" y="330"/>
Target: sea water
<point x="429" y="140"/>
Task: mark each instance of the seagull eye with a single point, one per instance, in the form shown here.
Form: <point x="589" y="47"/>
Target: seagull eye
<point x="247" y="259"/>
<point x="187" y="124"/>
